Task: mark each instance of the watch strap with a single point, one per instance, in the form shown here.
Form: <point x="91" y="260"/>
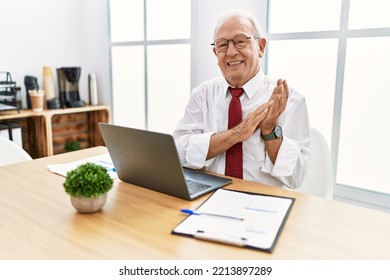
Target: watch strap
<point x="275" y="134"/>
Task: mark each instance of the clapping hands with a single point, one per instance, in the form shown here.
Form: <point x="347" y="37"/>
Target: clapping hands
<point x="266" y="115"/>
<point x="277" y="104"/>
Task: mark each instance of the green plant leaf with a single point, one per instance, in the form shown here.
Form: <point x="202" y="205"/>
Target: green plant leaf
<point x="88" y="180"/>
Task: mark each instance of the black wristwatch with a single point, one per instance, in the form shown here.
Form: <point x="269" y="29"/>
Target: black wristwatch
<point x="275" y="134"/>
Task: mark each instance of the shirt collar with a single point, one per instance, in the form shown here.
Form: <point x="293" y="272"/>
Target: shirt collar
<point x="250" y="87"/>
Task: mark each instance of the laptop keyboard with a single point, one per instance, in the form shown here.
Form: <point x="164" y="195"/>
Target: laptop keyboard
<point x="196" y="187"/>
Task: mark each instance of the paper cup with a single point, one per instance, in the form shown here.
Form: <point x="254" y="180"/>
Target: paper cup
<point x="37" y="100"/>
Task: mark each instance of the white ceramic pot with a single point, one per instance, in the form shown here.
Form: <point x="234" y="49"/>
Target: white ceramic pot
<point x="88" y="204"/>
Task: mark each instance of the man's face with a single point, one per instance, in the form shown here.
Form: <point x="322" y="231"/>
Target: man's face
<point x="239" y="65"/>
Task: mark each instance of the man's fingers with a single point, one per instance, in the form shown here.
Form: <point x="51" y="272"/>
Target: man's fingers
<point x="285" y="88"/>
<point x="285" y="96"/>
<point x="263" y="114"/>
<point x="277" y="90"/>
<point x="264" y="106"/>
<point x="254" y="118"/>
<point x="260" y="117"/>
<point x="275" y="101"/>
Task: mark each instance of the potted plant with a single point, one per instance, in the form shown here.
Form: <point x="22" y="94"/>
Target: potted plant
<point x="87" y="186"/>
<point x="72" y="146"/>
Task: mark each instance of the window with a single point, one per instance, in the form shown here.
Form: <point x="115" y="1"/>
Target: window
<point x="363" y="160"/>
<point x="311" y="69"/>
<point x="126" y="20"/>
<point x="340" y="63"/>
<point x="168" y="90"/>
<point x="128" y="85"/>
<point x="150" y="61"/>
<point x="290" y="16"/>
<point x="373" y="14"/>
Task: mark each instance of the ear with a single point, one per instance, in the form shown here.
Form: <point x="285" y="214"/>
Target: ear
<point x="262" y="44"/>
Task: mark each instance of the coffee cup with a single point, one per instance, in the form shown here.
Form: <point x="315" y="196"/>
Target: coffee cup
<point x="37" y="98"/>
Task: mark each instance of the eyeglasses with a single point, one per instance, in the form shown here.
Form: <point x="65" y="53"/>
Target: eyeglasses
<point x="239" y="42"/>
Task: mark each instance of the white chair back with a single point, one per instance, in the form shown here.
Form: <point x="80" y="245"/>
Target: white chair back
<point x="319" y="180"/>
<point x="11" y="152"/>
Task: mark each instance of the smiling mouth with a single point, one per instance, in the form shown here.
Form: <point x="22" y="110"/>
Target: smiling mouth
<point x="233" y="63"/>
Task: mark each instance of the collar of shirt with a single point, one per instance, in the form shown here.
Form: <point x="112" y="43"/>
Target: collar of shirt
<point x="250" y="87"/>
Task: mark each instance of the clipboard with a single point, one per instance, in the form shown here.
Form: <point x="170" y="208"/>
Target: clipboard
<point x="243" y="219"/>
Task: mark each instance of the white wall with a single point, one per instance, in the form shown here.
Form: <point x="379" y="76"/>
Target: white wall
<point x="58" y="33"/>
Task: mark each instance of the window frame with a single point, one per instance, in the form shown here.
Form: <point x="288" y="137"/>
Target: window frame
<point x="353" y="194"/>
<point x="144" y="43"/>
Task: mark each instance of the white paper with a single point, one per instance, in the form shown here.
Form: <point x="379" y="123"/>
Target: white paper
<point x="6" y="107"/>
<point x="102" y="160"/>
<point x="262" y="218"/>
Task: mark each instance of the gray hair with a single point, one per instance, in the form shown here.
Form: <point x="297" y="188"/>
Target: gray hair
<point x="240" y="14"/>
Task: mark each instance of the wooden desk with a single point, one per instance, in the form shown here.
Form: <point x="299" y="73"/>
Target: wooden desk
<point x="38" y="127"/>
<point x="37" y="221"/>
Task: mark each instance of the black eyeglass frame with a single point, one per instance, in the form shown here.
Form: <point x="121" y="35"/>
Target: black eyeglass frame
<point x="233" y="41"/>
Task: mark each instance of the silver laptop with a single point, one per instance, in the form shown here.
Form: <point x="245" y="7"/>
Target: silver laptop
<point x="150" y="159"/>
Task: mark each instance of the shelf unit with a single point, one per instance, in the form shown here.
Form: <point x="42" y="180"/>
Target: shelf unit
<point x="46" y="133"/>
<point x="8" y="93"/>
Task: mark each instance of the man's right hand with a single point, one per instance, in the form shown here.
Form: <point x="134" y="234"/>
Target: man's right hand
<point x="220" y="142"/>
<point x="249" y="125"/>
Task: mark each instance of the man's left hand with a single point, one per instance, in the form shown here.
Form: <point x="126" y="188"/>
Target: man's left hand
<point x="278" y="102"/>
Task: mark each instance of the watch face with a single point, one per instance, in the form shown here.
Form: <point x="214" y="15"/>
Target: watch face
<point x="278" y="131"/>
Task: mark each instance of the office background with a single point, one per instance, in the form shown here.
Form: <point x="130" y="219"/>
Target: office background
<point x="315" y="54"/>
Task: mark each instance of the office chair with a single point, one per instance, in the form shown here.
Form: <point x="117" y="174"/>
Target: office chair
<point x="11" y="152"/>
<point x="319" y="180"/>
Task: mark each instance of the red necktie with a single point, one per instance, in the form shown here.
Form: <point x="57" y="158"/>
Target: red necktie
<point x="234" y="154"/>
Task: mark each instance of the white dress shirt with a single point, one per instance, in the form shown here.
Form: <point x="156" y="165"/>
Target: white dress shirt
<point x="207" y="113"/>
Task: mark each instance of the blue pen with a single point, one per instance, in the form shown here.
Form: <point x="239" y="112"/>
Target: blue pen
<point x="193" y="212"/>
<point x="109" y="167"/>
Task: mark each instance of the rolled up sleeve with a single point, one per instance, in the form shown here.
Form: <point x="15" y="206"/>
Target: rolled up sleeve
<point x="197" y="149"/>
<point x="191" y="136"/>
<point x="291" y="164"/>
